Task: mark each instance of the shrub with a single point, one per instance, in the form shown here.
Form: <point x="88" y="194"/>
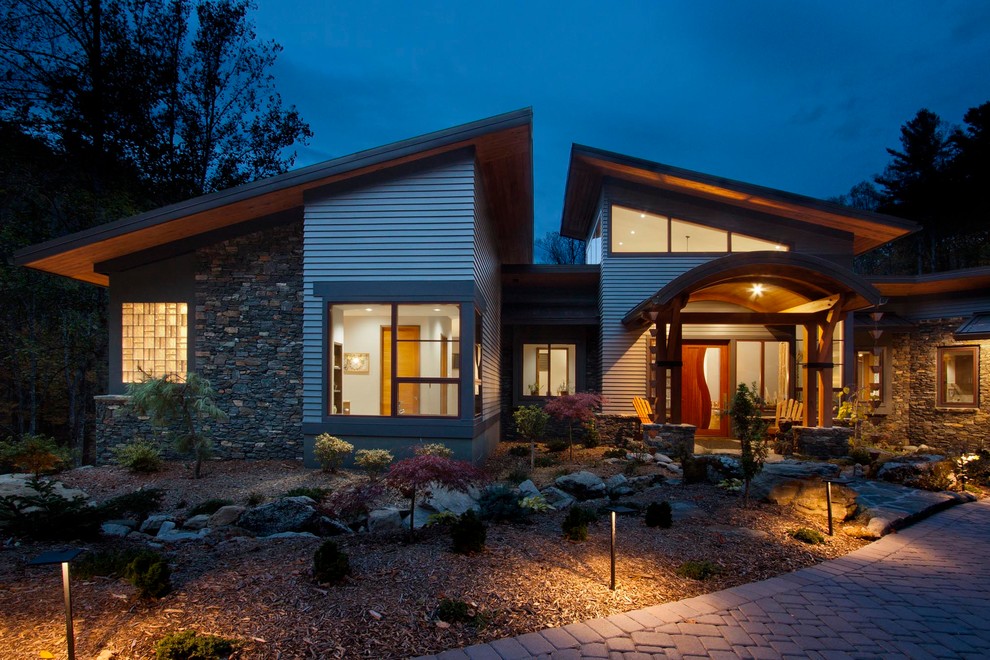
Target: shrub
<point x="531" y="422"/>
<point x="575" y="524"/>
<point x="209" y="507"/>
<point x="374" y="461"/>
<point x="442" y="518"/>
<point x="354" y="501"/>
<point x="698" y="570"/>
<point x="750" y="428"/>
<point x="149" y="572"/>
<point x="940" y="477"/>
<point x="501" y="503"/>
<point x="517" y="475"/>
<point x="536" y="504"/>
<point x="591" y="436"/>
<point x="808" y="535"/>
<point x="518" y="450"/>
<point x="615" y="452"/>
<point x="693" y="470"/>
<point x="140" y="456"/>
<point x="169" y="401"/>
<point x="455" y="611"/>
<point x="330" y="564"/>
<point x="37" y="454"/>
<point x="418" y="473"/>
<point x="139" y="504"/>
<point x="860" y="456"/>
<point x="190" y="645"/>
<point x="557" y="445"/>
<point x="331" y="451"/>
<point x="314" y="493"/>
<point x="104" y="563"/>
<point x="546" y="461"/>
<point x="574" y="408"/>
<point x="468" y="533"/>
<point x="434" y="449"/>
<point x="659" y="514"/>
<point x="255" y="498"/>
<point x="46" y="516"/>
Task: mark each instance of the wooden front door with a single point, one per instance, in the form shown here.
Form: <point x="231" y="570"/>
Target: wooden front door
<point x="705" y="389"/>
<point x="407" y="367"/>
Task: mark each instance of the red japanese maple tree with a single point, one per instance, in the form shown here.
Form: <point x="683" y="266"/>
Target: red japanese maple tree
<point x="579" y="407"/>
<point x="413" y="475"/>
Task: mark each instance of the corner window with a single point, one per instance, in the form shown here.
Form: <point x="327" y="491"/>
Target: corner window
<point x="549" y="369"/>
<point x="154" y="340"/>
<point x="958" y="376"/>
<point x="391" y="360"/>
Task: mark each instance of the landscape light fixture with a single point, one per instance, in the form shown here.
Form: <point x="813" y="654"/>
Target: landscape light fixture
<point x="62" y="557"/>
<point x="616" y="510"/>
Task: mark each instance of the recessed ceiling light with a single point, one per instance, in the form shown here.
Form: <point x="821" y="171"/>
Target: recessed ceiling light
<point x="757" y="289"/>
<point x="436" y="309"/>
<point x="368" y="309"/>
<point x="642" y="215"/>
<point x="620" y="242"/>
<point x="633" y="231"/>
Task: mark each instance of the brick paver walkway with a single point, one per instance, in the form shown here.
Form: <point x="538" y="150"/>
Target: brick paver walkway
<point x="921" y="593"/>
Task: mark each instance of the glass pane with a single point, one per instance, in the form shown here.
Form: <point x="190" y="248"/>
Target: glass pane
<point x="743" y="243"/>
<point x="549" y="369"/>
<point x="638" y="231"/>
<point x="361" y="382"/>
<point x="748" y="365"/>
<point x="424" y="344"/>
<point x="958" y="369"/>
<point x="428" y="399"/>
<point x="689" y="237"/>
<point x="153" y="340"/>
<point x="775" y="367"/>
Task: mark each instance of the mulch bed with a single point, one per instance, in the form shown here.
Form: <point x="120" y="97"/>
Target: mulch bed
<point x="261" y="592"/>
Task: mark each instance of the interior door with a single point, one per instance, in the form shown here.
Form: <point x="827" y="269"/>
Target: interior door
<point x="705" y="387"/>
<point x="407" y="367"/>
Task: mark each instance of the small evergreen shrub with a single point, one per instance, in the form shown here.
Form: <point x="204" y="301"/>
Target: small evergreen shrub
<point x="434" y="449"/>
<point x="209" y="507"/>
<point x="149" y="572"/>
<point x="190" y="645"/>
<point x="659" y="514"/>
<point x="500" y="504"/>
<point x="808" y="535"/>
<point x="330" y="564"/>
<point x="693" y="470"/>
<point x="468" y="533"/>
<point x="314" y="493"/>
<point x="614" y="452"/>
<point x="517" y="475"/>
<point x="46" y="516"/>
<point x="442" y="518"/>
<point x="37" y="454"/>
<point x="331" y="451"/>
<point x="139" y="456"/>
<point x="374" y="461"/>
<point x="255" y="498"/>
<point x="546" y="461"/>
<point x="698" y="570"/>
<point x="520" y="451"/>
<point x="103" y="563"/>
<point x="140" y="504"/>
<point x="860" y="456"/>
<point x="455" y="611"/>
<point x="575" y="523"/>
<point x="592" y="438"/>
<point x="557" y="445"/>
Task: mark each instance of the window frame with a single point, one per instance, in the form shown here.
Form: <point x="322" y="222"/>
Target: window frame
<point x="550" y="345"/>
<point x="941" y="351"/>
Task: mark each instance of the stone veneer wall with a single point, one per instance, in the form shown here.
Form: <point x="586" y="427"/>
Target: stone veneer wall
<point x="248" y="334"/>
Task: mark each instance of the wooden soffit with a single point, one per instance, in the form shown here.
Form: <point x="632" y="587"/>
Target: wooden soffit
<point x="503" y="150"/>
<point x="589" y="167"/>
<point x="792" y="288"/>
<point x="954" y="281"/>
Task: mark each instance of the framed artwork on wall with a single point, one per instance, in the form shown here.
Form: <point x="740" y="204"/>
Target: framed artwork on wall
<point x="357" y="363"/>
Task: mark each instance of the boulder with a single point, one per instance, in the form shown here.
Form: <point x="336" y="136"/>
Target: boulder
<point x="457" y="502"/>
<point x="556" y="497"/>
<point x="618" y="486"/>
<point x="197" y="523"/>
<point x="644" y="458"/>
<point x="926" y="471"/>
<point x="18" y="485"/>
<point x="332" y="527"/>
<point x="528" y="489"/>
<point x="662" y="458"/>
<point x="113" y="529"/>
<point x="225" y="515"/>
<point x="290" y="535"/>
<point x="385" y="521"/>
<point x="153" y="523"/>
<point x="583" y="485"/>
<point x="289" y="514"/>
<point x="801" y="484"/>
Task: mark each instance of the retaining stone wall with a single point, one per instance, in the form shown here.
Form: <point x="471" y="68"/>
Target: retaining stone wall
<point x="822" y="442"/>
<point x="675" y="440"/>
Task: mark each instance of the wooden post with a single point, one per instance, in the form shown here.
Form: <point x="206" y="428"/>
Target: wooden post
<point x="810" y="374"/>
<point x="675" y="360"/>
<point x="660" y="370"/>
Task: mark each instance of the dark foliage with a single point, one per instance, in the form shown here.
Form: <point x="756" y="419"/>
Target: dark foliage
<point x="455" y="611"/>
<point x="314" y="493"/>
<point x="659" y="514"/>
<point x="501" y="504"/>
<point x="468" y="533"/>
<point x="149" y="572"/>
<point x="104" y="563"/>
<point x="808" y="535"/>
<point x="519" y="450"/>
<point x="142" y="457"/>
<point x="140" y="504"/>
<point x="575" y="523"/>
<point x="190" y="645"/>
<point x="330" y="564"/>
<point x="353" y="502"/>
<point x="556" y="249"/>
<point x="45" y="516"/>
<point x="698" y="570"/>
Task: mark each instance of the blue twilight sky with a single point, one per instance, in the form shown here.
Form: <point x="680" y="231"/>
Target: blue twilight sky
<point x="797" y="95"/>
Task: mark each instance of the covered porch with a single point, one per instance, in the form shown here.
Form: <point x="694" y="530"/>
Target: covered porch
<point x="798" y="298"/>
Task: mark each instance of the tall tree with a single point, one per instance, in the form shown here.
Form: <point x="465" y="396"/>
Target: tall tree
<point x="556" y="249"/>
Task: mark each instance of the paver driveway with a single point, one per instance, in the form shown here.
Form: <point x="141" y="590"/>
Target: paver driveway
<point x="921" y="593"/>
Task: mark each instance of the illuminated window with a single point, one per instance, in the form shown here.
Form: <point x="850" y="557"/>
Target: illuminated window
<point x="635" y="231"/>
<point x="549" y="369"/>
<point x="958" y="375"/>
<point x="869" y="374"/>
<point x="153" y="340"/>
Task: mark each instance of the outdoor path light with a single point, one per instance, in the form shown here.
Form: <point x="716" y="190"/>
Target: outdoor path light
<point x="62" y="557"/>
<point x="616" y="510"/>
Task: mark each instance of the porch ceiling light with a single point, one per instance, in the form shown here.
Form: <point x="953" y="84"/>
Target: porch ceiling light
<point x="757" y="290"/>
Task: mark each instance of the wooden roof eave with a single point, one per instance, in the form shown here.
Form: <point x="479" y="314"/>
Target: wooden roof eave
<point x="501" y="142"/>
<point x="590" y="166"/>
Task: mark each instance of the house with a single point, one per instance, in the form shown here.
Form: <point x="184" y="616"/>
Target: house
<point x="390" y="297"/>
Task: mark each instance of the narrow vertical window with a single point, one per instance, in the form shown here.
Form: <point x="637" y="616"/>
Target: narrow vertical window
<point x="958" y="376"/>
<point x="154" y="340"/>
<point x="478" y="383"/>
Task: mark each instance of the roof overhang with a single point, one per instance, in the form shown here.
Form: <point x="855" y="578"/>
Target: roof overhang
<point x="978" y="327"/>
<point x="589" y="167"/>
<point x="954" y="281"/>
<point x="503" y="150"/>
<point x="809" y="285"/>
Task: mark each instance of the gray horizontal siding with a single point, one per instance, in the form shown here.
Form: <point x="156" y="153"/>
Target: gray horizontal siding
<point x="626" y="282"/>
<point x="414" y="226"/>
<point x="919" y="309"/>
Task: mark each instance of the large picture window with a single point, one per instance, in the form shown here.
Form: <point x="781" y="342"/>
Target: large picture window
<point x="958" y="376"/>
<point x="549" y="369"/>
<point x="396" y="360"/>
<point x="154" y="340"/>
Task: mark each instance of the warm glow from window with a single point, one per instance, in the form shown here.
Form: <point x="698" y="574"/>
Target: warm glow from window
<point x="153" y="340"/>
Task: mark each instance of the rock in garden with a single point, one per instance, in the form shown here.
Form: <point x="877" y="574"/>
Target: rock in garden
<point x="454" y="501"/>
<point x="153" y="523"/>
<point x="583" y="485"/>
<point x="197" y="523"/>
<point x="801" y="484"/>
<point x="385" y="521"/>
<point x="289" y="514"/>
<point x="291" y="535"/>
<point x="333" y="527"/>
<point x="18" y="485"/>
<point x="226" y="515"/>
<point x="113" y="529"/>
<point x="663" y="458"/>
<point x="528" y="489"/>
<point x="556" y="497"/>
<point x="927" y="471"/>
<point x="618" y="486"/>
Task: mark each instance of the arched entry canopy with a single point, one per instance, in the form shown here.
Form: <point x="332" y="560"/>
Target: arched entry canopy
<point x="776" y="289"/>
